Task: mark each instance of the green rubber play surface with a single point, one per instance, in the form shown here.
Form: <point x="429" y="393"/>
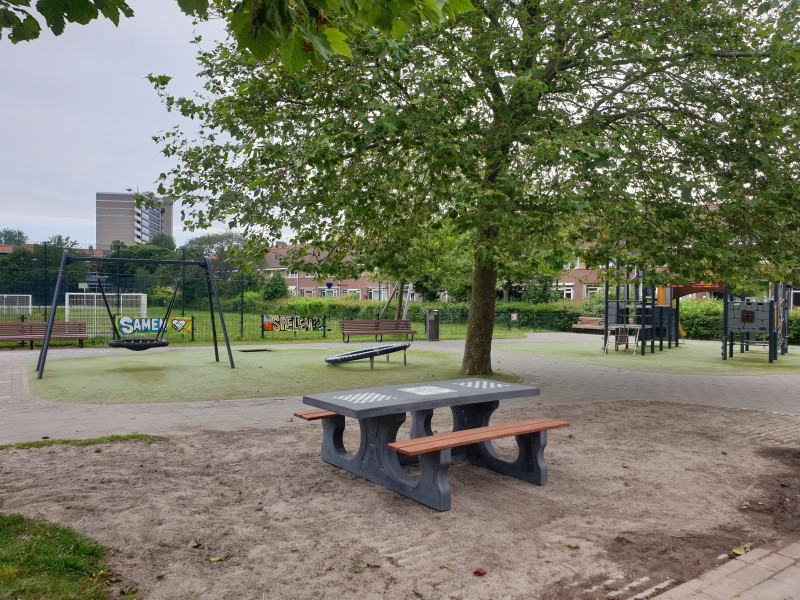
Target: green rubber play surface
<point x="184" y="376"/>
<point x="690" y="358"/>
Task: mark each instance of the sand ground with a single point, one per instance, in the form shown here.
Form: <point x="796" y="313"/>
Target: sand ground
<point x="639" y="494"/>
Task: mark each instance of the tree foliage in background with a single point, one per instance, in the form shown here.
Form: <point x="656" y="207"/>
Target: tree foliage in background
<point x="275" y="288"/>
<point x="163" y="240"/>
<point x="651" y="133"/>
<point x="13" y="237"/>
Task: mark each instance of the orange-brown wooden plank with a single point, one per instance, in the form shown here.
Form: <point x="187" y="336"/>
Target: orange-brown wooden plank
<point x="313" y="415"/>
<point x="471" y="436"/>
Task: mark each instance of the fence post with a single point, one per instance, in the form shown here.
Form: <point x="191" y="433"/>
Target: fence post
<point x="194" y="324"/>
<point x="324" y="325"/>
<point x="262" y="325"/>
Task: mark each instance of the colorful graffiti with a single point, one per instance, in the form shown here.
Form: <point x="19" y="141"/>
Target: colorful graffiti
<point x="284" y="323"/>
<point x="137" y="325"/>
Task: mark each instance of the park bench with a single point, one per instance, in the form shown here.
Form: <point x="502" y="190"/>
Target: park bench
<point x="376" y="327"/>
<point x="313" y="415"/>
<point x="32" y="331"/>
<point x="465" y="437"/>
<point x="596" y="323"/>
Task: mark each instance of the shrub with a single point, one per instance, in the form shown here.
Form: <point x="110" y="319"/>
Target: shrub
<point x="275" y="288"/>
<point x="559" y="315"/>
<point x="794" y="326"/>
<point x="701" y="319"/>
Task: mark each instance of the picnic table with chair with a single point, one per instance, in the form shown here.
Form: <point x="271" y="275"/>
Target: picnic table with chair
<point x="381" y="411"/>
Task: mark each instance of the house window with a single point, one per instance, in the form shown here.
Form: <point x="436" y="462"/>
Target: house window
<point x="353" y="294"/>
<point x="566" y="290"/>
<point x="306" y="293"/>
<point x="376" y="293"/>
<point x="292" y="274"/>
<point x="592" y="289"/>
<point x="572" y="265"/>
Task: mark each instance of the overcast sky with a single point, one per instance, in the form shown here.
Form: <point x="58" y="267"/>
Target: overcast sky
<point x="78" y="116"/>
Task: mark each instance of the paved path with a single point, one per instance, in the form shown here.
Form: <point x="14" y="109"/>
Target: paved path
<point x="764" y="574"/>
<point x="24" y="418"/>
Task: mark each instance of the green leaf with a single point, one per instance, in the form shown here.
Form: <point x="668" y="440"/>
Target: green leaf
<point x="460" y="6"/>
<point x="53" y="13"/>
<point x="263" y="45"/>
<point x="293" y="55"/>
<point x="28" y="29"/>
<point x="336" y="39"/>
<point x="322" y="45"/>
<point x="80" y="11"/>
<point x="194" y="7"/>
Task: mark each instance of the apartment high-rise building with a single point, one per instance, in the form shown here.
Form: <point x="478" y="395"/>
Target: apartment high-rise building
<point x="118" y="218"/>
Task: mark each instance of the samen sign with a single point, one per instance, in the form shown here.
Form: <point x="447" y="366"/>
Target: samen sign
<point x="283" y="323"/>
<point x="135" y="325"/>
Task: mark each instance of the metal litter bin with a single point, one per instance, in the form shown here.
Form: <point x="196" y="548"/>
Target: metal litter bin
<point x="432" y="325"/>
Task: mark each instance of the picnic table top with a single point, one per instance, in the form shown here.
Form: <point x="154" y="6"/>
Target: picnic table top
<point x="406" y="397"/>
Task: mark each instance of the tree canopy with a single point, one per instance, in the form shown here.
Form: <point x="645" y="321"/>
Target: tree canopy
<point x="301" y="32"/>
<point x="13" y="237"/>
<point x="654" y="134"/>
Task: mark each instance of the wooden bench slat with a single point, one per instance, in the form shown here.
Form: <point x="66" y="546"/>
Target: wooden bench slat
<point x="589" y="323"/>
<point x="376" y="327"/>
<point x="454" y="439"/>
<point x="313" y="415"/>
<point x="32" y="331"/>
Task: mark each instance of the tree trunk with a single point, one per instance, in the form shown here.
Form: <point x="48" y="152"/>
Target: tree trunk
<point x="398" y="312"/>
<point x="506" y="290"/>
<point x="478" y="348"/>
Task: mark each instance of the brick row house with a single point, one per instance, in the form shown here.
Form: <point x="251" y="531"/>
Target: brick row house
<point x="305" y="284"/>
<point x="576" y="282"/>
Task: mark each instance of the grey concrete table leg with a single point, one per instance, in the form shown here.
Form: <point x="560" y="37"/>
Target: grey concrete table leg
<point x="420" y="427"/>
<point x="375" y="462"/>
<point x="530" y="464"/>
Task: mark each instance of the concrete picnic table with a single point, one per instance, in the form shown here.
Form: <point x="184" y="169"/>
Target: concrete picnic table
<point x="381" y="411"/>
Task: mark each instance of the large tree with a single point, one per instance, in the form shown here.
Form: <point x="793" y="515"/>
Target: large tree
<point x="648" y="132"/>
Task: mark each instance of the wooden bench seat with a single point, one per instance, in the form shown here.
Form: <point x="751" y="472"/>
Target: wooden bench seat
<point x="596" y="323"/>
<point x="313" y="415"/>
<point x="454" y="439"/>
<point x="376" y="327"/>
<point x="33" y="331"/>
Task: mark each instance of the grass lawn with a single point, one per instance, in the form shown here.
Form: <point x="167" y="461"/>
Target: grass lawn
<point x="691" y="358"/>
<point x="41" y="560"/>
<point x="142" y="378"/>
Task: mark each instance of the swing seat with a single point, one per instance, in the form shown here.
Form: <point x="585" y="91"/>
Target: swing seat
<point x="138" y="344"/>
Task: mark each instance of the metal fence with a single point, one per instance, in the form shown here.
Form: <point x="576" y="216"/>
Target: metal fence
<point x="246" y="327"/>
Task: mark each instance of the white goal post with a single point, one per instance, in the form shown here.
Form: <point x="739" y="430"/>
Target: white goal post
<point x="89" y="307"/>
<point x="15" y="304"/>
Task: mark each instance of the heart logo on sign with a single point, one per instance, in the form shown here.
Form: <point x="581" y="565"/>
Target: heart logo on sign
<point x="178" y="324"/>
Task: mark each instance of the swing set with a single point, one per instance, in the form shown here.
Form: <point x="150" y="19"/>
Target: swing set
<point x="140" y="343"/>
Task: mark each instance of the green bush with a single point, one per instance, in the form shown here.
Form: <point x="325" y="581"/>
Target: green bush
<point x="794" y="326"/>
<point x="559" y="315"/>
<point x="701" y="319"/>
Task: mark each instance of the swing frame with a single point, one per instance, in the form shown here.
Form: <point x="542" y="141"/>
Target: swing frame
<point x="213" y="295"/>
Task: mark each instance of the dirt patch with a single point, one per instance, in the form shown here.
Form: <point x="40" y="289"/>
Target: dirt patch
<point x="639" y="493"/>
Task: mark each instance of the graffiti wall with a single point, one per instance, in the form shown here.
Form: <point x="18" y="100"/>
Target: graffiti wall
<point x="137" y="325"/>
<point x="293" y="323"/>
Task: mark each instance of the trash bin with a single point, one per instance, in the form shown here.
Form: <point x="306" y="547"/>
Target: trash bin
<point x="432" y="325"/>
